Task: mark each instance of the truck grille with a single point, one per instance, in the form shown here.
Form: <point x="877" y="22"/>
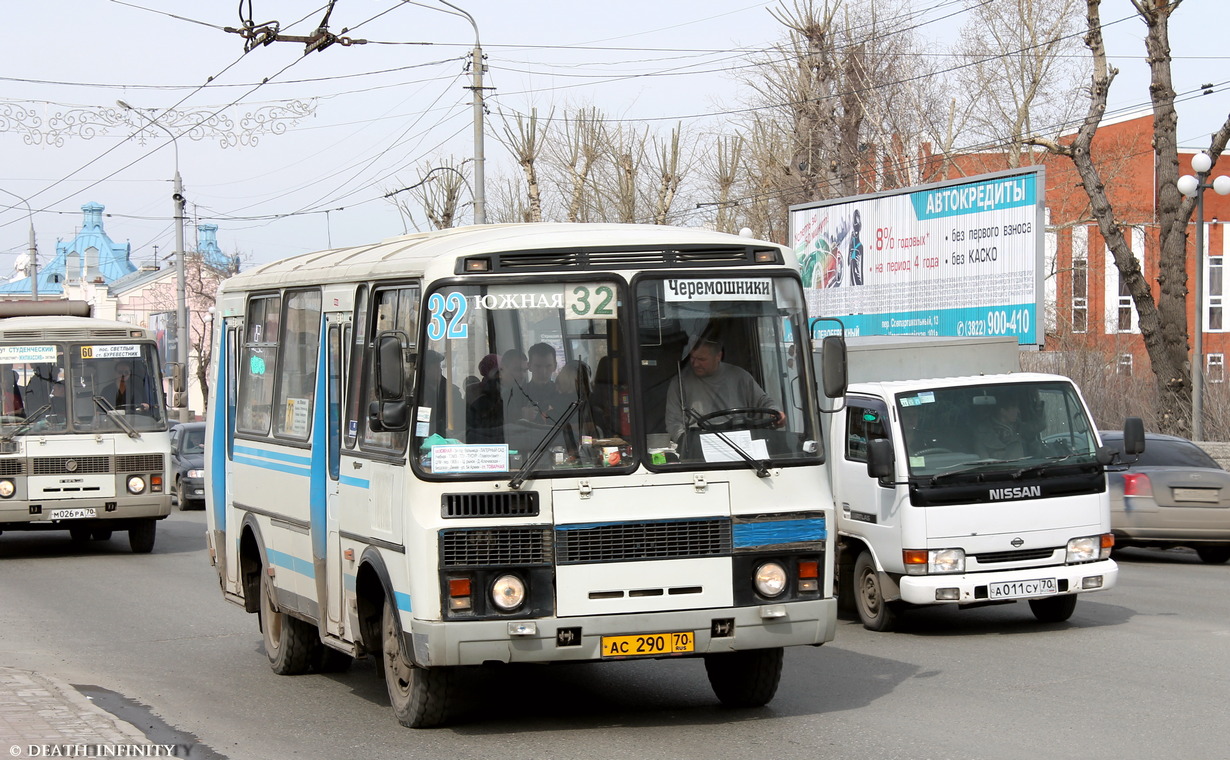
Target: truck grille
<point x="623" y="542"/>
<point x="987" y="558"/>
<point x="482" y="547"/>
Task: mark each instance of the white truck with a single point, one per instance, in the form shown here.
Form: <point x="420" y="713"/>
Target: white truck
<point x="960" y="480"/>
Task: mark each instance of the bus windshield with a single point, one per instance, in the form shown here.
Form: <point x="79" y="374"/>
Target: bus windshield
<point x="81" y="387"/>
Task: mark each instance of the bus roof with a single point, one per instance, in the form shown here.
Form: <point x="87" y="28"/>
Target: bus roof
<point x="67" y="328"/>
<point x="434" y="253"/>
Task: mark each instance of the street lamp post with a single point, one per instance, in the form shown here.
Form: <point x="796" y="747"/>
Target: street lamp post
<point x="181" y="307"/>
<point x="476" y="68"/>
<point x="1194" y="187"/>
<point x="33" y="248"/>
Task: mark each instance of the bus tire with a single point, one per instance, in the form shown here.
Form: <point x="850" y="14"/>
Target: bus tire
<point x="875" y="613"/>
<point x="290" y="643"/>
<point x="79" y="535"/>
<point x="745" y="679"/>
<point x="1053" y="609"/>
<point x="1213" y="555"/>
<point x="330" y="660"/>
<point x="101" y="534"/>
<point x="141" y="536"/>
<point x="420" y="697"/>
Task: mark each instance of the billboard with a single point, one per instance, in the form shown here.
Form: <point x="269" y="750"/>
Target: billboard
<point x="955" y="259"/>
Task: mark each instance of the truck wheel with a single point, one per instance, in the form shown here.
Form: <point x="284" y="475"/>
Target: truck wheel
<point x="421" y="697"/>
<point x="745" y="679"/>
<point x="290" y="643"/>
<point x="876" y="613"/>
<point x="1053" y="609"/>
<point x="1213" y="555"/>
<point x="141" y="536"/>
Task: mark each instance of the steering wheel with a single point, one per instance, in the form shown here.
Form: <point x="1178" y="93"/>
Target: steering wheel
<point x="753" y="417"/>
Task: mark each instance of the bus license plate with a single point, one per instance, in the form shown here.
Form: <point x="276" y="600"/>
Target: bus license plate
<point x="1019" y="589"/>
<point x="72" y="514"/>
<point x="648" y="644"/>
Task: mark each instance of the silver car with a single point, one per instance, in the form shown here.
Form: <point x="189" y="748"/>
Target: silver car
<point x="1174" y="495"/>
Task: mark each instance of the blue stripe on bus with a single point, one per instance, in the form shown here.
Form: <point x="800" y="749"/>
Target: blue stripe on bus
<point x="274" y="466"/>
<point x="290" y="562"/>
<point x="746" y="535"/>
<point x="403" y="601"/>
<point x="346" y="480"/>
<point x="317" y="495"/>
<point x="217" y="453"/>
<point x="275" y="455"/>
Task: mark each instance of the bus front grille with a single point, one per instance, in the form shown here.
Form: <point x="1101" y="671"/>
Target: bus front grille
<point x="12" y="466"/>
<point x="71" y="465"/>
<point x="484" y="547"/>
<point x="138" y="463"/>
<point x="624" y="542"/>
<point x="514" y="504"/>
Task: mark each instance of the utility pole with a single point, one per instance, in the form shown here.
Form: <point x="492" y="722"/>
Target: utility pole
<point x="476" y="64"/>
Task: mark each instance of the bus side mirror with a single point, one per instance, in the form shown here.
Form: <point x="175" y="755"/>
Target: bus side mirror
<point x="1133" y="436"/>
<point x="880" y="459"/>
<point x="390" y="377"/>
<point x="177" y="378"/>
<point x="833" y="366"/>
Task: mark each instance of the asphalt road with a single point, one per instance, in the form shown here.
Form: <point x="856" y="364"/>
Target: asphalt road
<point x="1141" y="670"/>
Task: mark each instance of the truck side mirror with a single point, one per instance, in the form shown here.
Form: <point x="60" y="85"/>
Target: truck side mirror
<point x="833" y="373"/>
<point x="1133" y="436"/>
<point x="880" y="459"/>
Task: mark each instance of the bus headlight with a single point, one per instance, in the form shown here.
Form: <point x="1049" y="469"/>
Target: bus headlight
<point x="770" y="579"/>
<point x="508" y="592"/>
<point x="136" y="484"/>
<point x="7" y="489"/>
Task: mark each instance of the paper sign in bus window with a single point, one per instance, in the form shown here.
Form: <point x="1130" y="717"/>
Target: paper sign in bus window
<point x="113" y="351"/>
<point x="27" y="354"/>
<point x="486" y="458"/>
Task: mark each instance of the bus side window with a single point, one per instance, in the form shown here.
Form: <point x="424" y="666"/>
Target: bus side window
<point x="393" y="308"/>
<point x="354" y="384"/>
<point x="297" y="368"/>
<point x="259" y="357"/>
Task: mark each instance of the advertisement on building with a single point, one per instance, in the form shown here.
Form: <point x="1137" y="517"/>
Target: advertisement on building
<point x="954" y="259"/>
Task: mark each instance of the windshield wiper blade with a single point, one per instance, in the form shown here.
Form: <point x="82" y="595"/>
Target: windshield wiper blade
<point x="761" y="467"/>
<point x="536" y="454"/>
<point x="24" y="426"/>
<point x="114" y="414"/>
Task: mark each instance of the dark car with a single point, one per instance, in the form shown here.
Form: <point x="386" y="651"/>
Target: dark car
<point x="1174" y="495"/>
<point x="188" y="464"/>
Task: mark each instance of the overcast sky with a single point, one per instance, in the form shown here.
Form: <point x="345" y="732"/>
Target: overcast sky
<point x="371" y="114"/>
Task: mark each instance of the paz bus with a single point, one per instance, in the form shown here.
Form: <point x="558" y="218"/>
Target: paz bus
<point x="450" y="449"/>
<point x="83" y="434"/>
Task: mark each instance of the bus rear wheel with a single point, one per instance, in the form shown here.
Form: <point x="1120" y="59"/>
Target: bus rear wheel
<point x="290" y="643"/>
<point x="141" y="536"/>
<point x="745" y="679"/>
<point x="421" y="697"/>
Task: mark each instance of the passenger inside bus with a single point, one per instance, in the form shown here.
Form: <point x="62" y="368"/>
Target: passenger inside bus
<point x="128" y="392"/>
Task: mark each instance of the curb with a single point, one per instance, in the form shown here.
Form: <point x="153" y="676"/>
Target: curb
<point x="39" y="709"/>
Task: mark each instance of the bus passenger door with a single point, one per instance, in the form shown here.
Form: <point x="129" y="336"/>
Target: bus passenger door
<point x="336" y="345"/>
<point x="223" y="452"/>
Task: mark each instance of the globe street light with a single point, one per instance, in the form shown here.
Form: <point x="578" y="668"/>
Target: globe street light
<point x="1194" y="187"/>
<point x="181" y="307"/>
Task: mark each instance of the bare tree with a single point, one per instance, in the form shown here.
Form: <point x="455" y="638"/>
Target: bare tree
<point x="438" y="192"/>
<point x="525" y="142"/>
<point x="1017" y="72"/>
<point x="1163" y="322"/>
<point x="669" y="174"/>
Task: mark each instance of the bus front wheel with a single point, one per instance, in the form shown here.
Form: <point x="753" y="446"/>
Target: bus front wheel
<point x="290" y="643"/>
<point x="745" y="679"/>
<point x="141" y="536"/>
<point x="420" y="696"/>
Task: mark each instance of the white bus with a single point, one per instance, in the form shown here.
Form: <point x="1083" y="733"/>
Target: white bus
<point x="83" y="434"/>
<point x="388" y="474"/>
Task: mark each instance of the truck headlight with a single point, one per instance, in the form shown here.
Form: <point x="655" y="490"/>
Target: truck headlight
<point x="136" y="484"/>
<point x="933" y="561"/>
<point x="508" y="592"/>
<point x="770" y="579"/>
<point x="1084" y="549"/>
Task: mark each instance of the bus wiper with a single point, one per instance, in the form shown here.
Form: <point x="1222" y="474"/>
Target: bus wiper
<point x="761" y="468"/>
<point x="114" y="414"/>
<point x="24" y="426"/>
<point x="536" y="454"/>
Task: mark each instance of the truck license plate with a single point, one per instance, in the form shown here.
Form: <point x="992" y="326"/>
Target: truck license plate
<point x="75" y="513"/>
<point x="648" y="644"/>
<point x="1019" y="589"/>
